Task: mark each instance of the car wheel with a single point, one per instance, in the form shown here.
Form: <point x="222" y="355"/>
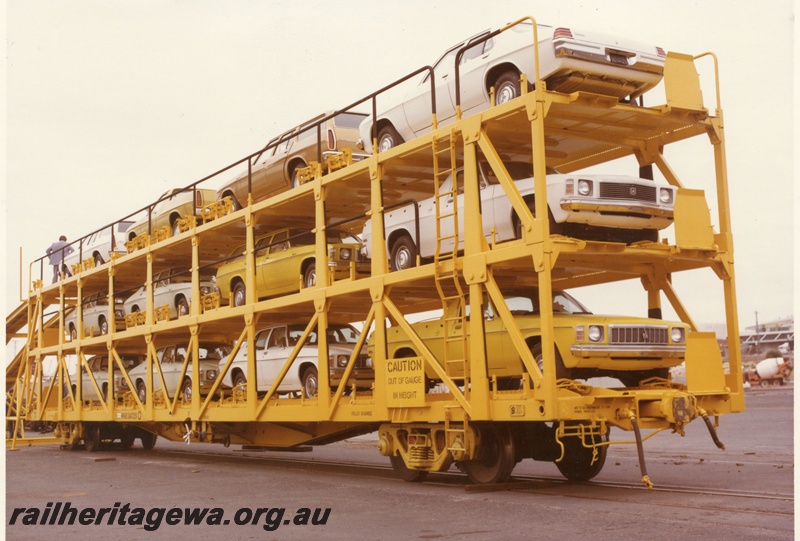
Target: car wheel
<point x="239" y="294"/>
<point x="507" y="87"/>
<point x="73" y="332"/>
<point x="388" y="138"/>
<point x="404" y="254"/>
<point x="134" y="309"/>
<point x="141" y="392"/>
<point x="310" y="276"/>
<point x="561" y="370"/>
<point x="98" y="260"/>
<point x="239" y="379"/>
<point x="182" y="305"/>
<point x="310" y="382"/>
<point x="103" y="325"/>
<point x="187" y="391"/>
<point x="296" y="174"/>
<point x="105" y="392"/>
<point x="176" y="230"/>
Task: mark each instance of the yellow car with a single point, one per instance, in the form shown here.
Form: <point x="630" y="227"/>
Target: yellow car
<point x="630" y="349"/>
<point x="285" y="263"/>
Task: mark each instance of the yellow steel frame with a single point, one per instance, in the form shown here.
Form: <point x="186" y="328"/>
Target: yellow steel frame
<point x="571" y="131"/>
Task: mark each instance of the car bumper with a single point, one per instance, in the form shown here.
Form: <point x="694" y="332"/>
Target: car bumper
<point x="617" y="213"/>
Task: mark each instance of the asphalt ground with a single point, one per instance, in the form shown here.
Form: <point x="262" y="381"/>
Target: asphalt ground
<point x="744" y="492"/>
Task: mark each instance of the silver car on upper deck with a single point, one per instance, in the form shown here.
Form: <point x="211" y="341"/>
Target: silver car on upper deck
<point x="569" y="60"/>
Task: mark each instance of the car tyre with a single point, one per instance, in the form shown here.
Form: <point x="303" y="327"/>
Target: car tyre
<point x="239" y="379"/>
<point x="186" y="390"/>
<point x="388" y="138"/>
<point x="404" y="254"/>
<point x="310" y="276"/>
<point x="239" y="294"/>
<point x="141" y="392"/>
<point x="103" y="325"/>
<point x="507" y="87"/>
<point x="310" y="382"/>
<point x="182" y="306"/>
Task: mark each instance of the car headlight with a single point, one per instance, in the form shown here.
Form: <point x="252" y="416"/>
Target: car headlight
<point x="665" y="196"/>
<point x="678" y="335"/>
<point x="205" y="290"/>
<point x="338" y="360"/>
<point x="596" y="333"/>
<point x="211" y="375"/>
<point x="585" y="187"/>
<point x="346" y="254"/>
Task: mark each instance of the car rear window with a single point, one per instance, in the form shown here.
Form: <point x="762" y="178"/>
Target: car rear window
<point x="348" y="120"/>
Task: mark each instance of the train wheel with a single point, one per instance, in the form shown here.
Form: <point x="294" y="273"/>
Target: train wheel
<point x="577" y="463"/>
<point x="91" y="438"/>
<point x="148" y="439"/>
<point x="496" y="457"/>
<point x="404" y="472"/>
<point x="127" y="439"/>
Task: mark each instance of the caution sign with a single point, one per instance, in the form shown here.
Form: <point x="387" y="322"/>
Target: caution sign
<point x="405" y="383"/>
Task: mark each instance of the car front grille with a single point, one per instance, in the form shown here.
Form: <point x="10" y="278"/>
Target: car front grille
<point x="361" y="361"/>
<point x="638" y="335"/>
<point x="627" y="191"/>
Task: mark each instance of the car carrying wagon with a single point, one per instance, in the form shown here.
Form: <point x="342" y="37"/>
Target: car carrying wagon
<point x="502" y="369"/>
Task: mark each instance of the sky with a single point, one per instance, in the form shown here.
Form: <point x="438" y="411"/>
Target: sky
<point x="110" y="103"/>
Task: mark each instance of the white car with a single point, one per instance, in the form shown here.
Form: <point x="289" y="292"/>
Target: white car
<point x="99" y="245"/>
<point x="95" y="317"/>
<point x="173" y="290"/>
<point x="612" y="208"/>
<point x="98" y="365"/>
<point x="275" y="344"/>
<point x="171" y="359"/>
<point x="569" y="61"/>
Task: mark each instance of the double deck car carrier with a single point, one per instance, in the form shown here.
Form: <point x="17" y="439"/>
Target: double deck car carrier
<point x="472" y="419"/>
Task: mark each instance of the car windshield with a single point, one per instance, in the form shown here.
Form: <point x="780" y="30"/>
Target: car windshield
<point x="307" y="238"/>
<point x="516" y="170"/>
<point x="521" y="303"/>
<point x="337" y="334"/>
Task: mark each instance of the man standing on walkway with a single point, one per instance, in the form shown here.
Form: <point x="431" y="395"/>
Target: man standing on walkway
<point x="57" y="252"/>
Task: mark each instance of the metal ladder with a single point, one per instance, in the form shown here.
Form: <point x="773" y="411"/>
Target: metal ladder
<point x="448" y="284"/>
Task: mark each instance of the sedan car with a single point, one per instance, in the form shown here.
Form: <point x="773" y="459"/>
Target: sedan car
<point x="276" y="168"/>
<point x="630" y="349"/>
<point x="171" y="359"/>
<point x="173" y="205"/>
<point x="283" y="257"/>
<point x="614" y="208"/>
<point x="273" y="346"/>
<point x="569" y="61"/>
<point x="170" y="289"/>
<point x="95" y="316"/>
<point x="98" y="365"/>
<point x="99" y="245"/>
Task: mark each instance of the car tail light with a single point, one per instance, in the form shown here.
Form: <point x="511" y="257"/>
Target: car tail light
<point x="198" y="199"/>
<point x="661" y="52"/>
<point x="562" y="33"/>
<point x="331" y="140"/>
